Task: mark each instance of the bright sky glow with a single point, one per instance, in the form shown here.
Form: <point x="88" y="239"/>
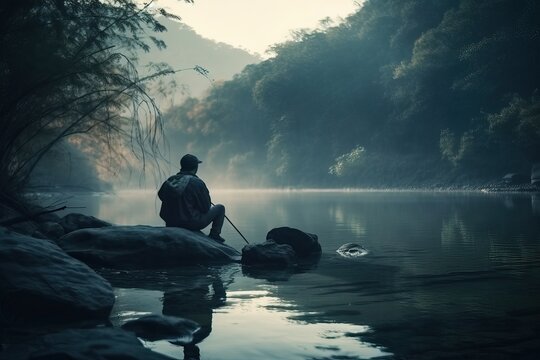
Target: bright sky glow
<point x="254" y="25"/>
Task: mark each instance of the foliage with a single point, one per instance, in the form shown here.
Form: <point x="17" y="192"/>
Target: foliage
<point x="517" y="126"/>
<point x="438" y="83"/>
<point x="345" y="162"/>
<point x="453" y="150"/>
<point x="67" y="71"/>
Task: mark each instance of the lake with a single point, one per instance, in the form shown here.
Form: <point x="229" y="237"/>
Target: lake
<point x="448" y="275"/>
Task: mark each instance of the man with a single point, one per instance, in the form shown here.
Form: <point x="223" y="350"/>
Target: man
<point x="186" y="201"/>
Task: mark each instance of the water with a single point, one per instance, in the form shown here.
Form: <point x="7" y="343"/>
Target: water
<point x="446" y="276"/>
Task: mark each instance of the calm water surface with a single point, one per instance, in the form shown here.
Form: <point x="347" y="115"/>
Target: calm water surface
<point x="447" y="276"/>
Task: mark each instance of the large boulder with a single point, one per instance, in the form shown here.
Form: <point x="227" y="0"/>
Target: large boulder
<point x="40" y="282"/>
<point x="83" y="344"/>
<point x="269" y="254"/>
<point x="145" y="247"/>
<point x="304" y="244"/>
<point x="160" y="327"/>
<point x="76" y="221"/>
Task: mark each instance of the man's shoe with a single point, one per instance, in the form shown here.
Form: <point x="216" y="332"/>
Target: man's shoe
<point x="217" y="238"/>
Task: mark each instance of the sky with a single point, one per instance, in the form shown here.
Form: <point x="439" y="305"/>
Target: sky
<point x="254" y="25"/>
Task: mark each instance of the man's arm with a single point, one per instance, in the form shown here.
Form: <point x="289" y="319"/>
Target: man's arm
<point x="203" y="197"/>
<point x="167" y="191"/>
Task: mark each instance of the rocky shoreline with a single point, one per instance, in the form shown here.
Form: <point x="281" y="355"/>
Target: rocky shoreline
<point x="50" y="291"/>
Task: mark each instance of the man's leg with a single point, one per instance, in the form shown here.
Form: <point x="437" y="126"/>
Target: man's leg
<point x="217" y="214"/>
<point x="214" y="216"/>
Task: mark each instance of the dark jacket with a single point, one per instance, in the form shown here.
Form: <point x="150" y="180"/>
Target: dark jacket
<point x="185" y="198"/>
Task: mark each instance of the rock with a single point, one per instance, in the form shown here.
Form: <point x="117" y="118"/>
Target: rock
<point x="76" y="221"/>
<point x="270" y="274"/>
<point x="159" y="327"/>
<point x="535" y="174"/>
<point x="39" y="282"/>
<point x="48" y="217"/>
<point x="83" y="344"/>
<point x="29" y="228"/>
<point x="304" y="244"/>
<point x="268" y="253"/>
<point x="515" y="179"/>
<point x="52" y="230"/>
<point x="145" y="247"/>
<point x="351" y="250"/>
<point x="44" y="226"/>
<point x="535" y="204"/>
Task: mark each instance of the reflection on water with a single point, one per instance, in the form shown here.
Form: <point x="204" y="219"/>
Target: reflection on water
<point x="243" y="324"/>
<point x="447" y="275"/>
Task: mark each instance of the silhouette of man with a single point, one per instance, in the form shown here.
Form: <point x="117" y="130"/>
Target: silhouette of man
<point x="186" y="201"/>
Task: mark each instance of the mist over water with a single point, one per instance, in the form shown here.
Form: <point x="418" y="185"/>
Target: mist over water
<point x="447" y="275"/>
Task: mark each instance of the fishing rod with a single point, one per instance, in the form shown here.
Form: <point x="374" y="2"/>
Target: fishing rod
<point x="235" y="228"/>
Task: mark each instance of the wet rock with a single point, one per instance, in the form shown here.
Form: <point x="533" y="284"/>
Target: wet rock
<point x="41" y="283"/>
<point x="535" y="174"/>
<point x="83" y="344"/>
<point x="76" y="221"/>
<point x="351" y="250"/>
<point x="145" y="247"/>
<point x="270" y="274"/>
<point x="304" y="244"/>
<point x="47" y="217"/>
<point x="52" y="230"/>
<point x="515" y="179"/>
<point x="29" y="228"/>
<point x="268" y="253"/>
<point x="159" y="327"/>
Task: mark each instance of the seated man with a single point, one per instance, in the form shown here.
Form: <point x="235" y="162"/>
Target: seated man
<point x="186" y="201"/>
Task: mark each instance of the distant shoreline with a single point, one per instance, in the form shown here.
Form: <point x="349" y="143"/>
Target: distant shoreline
<point x="487" y="188"/>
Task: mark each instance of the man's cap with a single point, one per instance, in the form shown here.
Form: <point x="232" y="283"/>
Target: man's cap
<point x="189" y="162"/>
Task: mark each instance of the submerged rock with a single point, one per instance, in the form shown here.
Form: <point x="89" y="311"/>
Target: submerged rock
<point x="351" y="250"/>
<point x="304" y="244"/>
<point x="83" y="344"/>
<point x="40" y="282"/>
<point x="269" y="273"/>
<point x="76" y="221"/>
<point x="145" y="247"/>
<point x="159" y="327"/>
<point x="268" y="253"/>
<point x="52" y="229"/>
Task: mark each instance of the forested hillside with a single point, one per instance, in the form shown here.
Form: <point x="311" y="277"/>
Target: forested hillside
<point x="401" y="93"/>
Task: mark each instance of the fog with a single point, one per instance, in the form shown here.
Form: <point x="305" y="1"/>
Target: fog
<point x="407" y="94"/>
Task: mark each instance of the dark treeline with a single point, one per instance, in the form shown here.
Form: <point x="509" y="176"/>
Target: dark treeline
<point x="401" y="93"/>
<point x="69" y="80"/>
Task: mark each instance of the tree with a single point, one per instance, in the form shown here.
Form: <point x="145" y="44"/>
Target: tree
<point x="67" y="69"/>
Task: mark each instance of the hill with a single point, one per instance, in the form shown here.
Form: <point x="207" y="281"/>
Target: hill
<point x="186" y="49"/>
